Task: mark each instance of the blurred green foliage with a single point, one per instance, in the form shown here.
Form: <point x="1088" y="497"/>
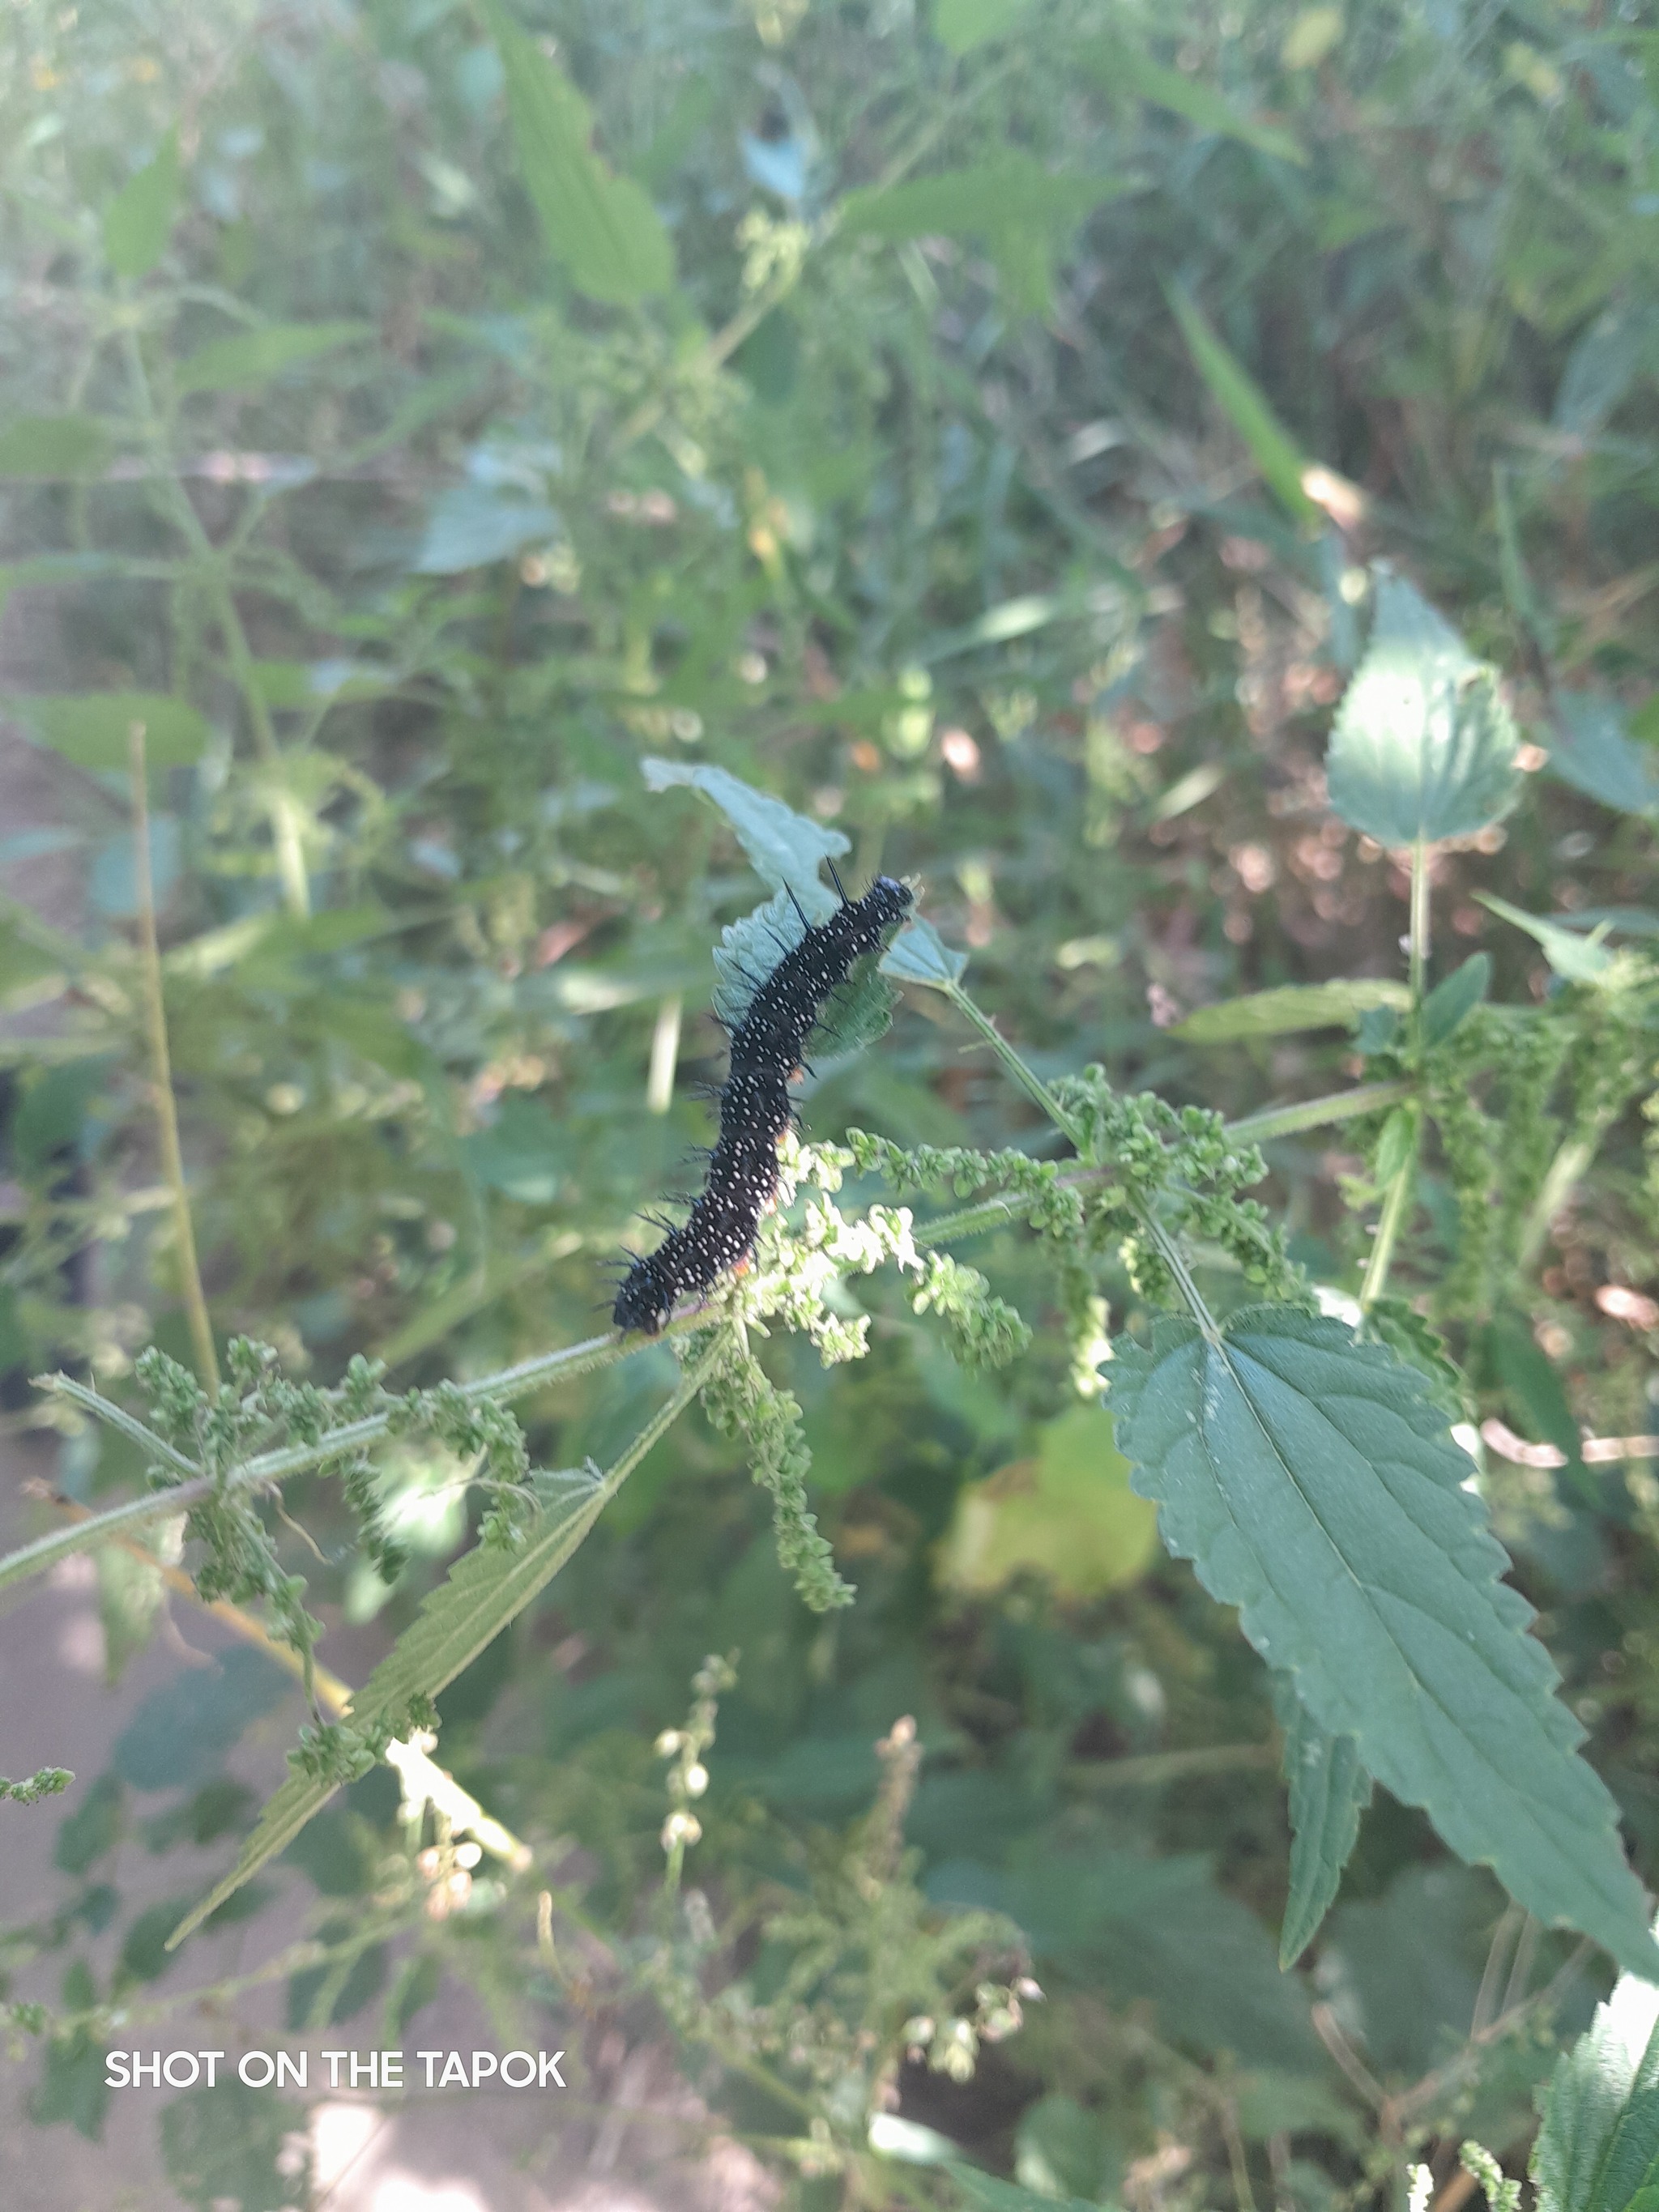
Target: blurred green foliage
<point x="973" y="426"/>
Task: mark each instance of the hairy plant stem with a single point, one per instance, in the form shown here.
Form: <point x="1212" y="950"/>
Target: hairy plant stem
<point x="1417" y="939"/>
<point x="1168" y="1250"/>
<point x="1395" y="1206"/>
<point x="599" y="1351"/>
<point x="160" y="1074"/>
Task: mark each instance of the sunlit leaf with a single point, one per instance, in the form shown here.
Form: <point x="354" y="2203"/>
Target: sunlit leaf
<point x="471" y="524"/>
<point x="1599" y="2143"/>
<point x="786" y="849"/>
<point x="1315" y="1487"/>
<point x="920" y="955"/>
<point x="1423" y="746"/>
<point x="601" y="226"/>
<point x="1068" y="1514"/>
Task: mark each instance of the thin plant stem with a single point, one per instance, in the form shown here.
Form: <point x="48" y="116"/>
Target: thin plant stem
<point x="1028" y="1082"/>
<point x="1150" y="1769"/>
<point x="1395" y="1207"/>
<point x="1417" y="939"/>
<point x="1035" y="1088"/>
<point x="160" y="1074"/>
<point x="1319" y="1113"/>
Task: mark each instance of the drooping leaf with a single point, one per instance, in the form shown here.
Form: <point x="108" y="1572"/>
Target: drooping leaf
<point x="1575" y="958"/>
<point x="1122" y="68"/>
<point x="1455" y="996"/>
<point x="962" y="24"/>
<point x="139" y="220"/>
<point x="129" y="1601"/>
<point x="1599" y="2143"/>
<point x="1593" y="752"/>
<point x="987" y="2192"/>
<point x="54" y="447"/>
<point x="1423" y="746"/>
<point x="486" y="1588"/>
<point x="253" y="357"/>
<point x="92" y="728"/>
<point x="1291" y="1008"/>
<point x="1315" y="1486"/>
<point x="73" y="2089"/>
<point x="233" y="2145"/>
<point x="1068" y="1514"/>
<point x="1246" y="406"/>
<point x="601" y="226"/>
<point x="1329" y="1790"/>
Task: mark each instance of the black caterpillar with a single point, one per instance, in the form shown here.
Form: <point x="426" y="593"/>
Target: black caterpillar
<point x="766" y="1048"/>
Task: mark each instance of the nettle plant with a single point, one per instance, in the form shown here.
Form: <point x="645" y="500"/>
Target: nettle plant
<point x="1301" y="1441"/>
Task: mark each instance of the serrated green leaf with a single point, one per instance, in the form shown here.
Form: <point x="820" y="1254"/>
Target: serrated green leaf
<point x="1125" y="69"/>
<point x="1455" y="997"/>
<point x="1575" y="958"/>
<point x="785" y="848"/>
<point x="61" y="448"/>
<point x="601" y="226"/>
<point x="1598" y="2147"/>
<point x="1593" y="751"/>
<point x="485" y="1589"/>
<point x="962" y="24"/>
<point x="920" y="955"/>
<point x="253" y="357"/>
<point x="92" y="728"/>
<point x="138" y="220"/>
<point x="1236" y="392"/>
<point x="1290" y="1009"/>
<point x="1329" y="1790"/>
<point x="1314" y="1485"/>
<point x="1423" y="746"/>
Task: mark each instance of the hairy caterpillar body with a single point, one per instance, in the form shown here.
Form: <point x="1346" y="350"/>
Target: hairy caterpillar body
<point x="766" y="1052"/>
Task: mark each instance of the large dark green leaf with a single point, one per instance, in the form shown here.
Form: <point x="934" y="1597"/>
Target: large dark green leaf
<point x="1315" y="1486"/>
<point x="1424" y="746"/>
<point x="182" y="1731"/>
